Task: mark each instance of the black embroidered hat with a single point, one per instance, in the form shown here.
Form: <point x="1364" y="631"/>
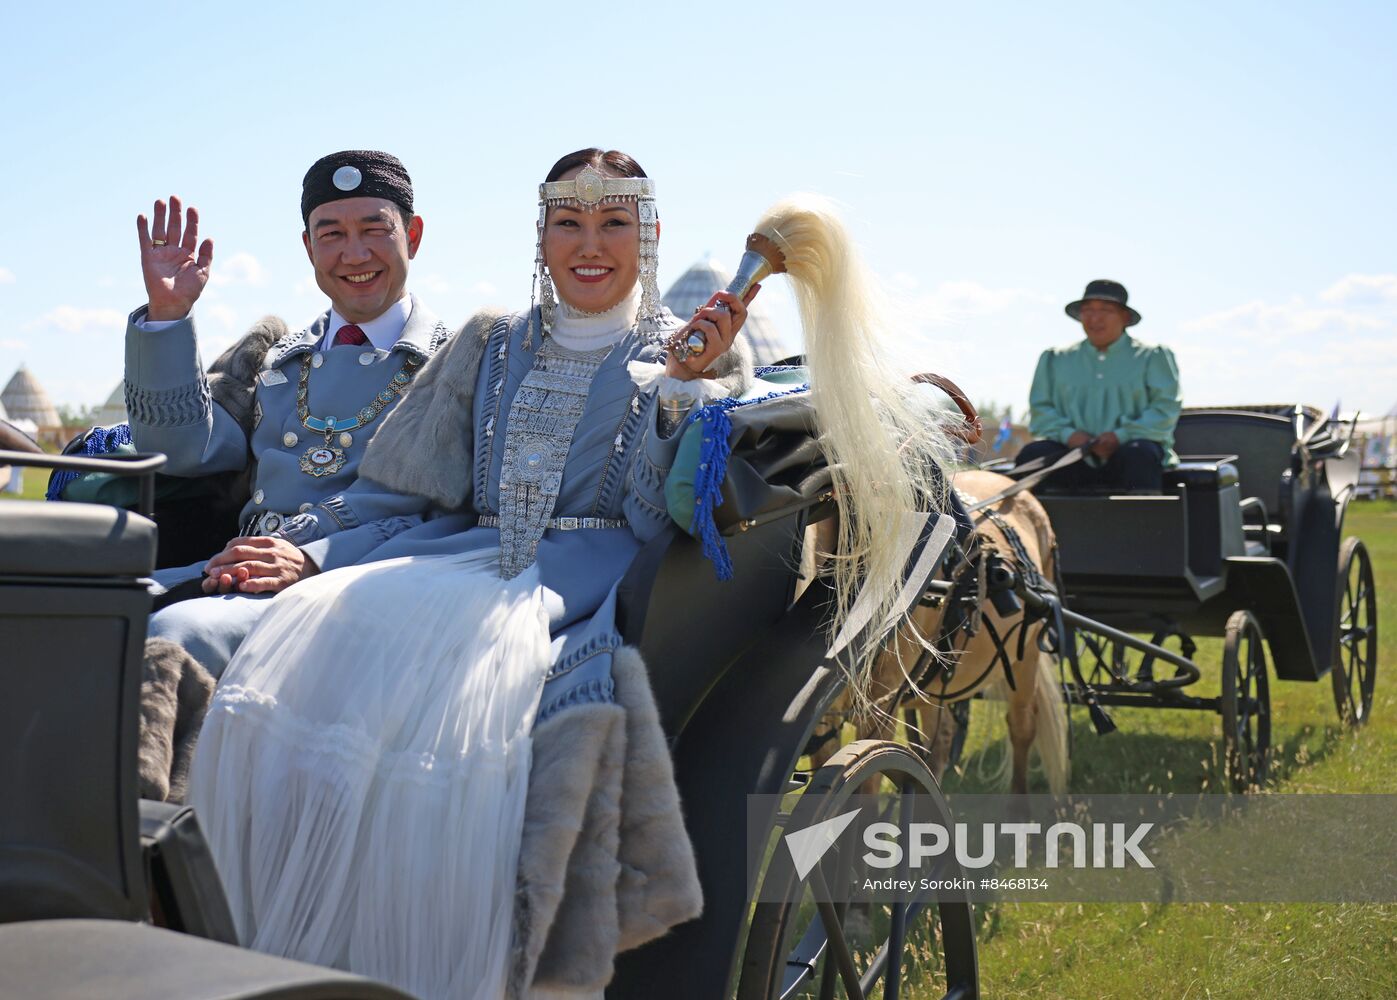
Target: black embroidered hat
<point x="1103" y="290"/>
<point x="355" y="173"/>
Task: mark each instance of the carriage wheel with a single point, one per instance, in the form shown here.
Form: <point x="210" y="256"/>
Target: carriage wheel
<point x="1355" y="635"/>
<point x="1246" y="703"/>
<point x="801" y="948"/>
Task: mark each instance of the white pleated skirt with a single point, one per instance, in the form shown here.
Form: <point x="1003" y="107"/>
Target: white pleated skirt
<point x="362" y="772"/>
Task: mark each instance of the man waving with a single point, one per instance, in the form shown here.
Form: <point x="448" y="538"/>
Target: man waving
<point x="294" y="409"/>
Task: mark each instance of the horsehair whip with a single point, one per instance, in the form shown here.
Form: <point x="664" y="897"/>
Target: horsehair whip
<point x="885" y="445"/>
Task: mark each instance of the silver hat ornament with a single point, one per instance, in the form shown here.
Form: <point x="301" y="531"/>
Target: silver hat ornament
<point x="588" y="190"/>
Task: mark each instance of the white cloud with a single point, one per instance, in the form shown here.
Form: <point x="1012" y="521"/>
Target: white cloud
<point x="482" y="288"/>
<point x="10" y="344"/>
<point x="7" y="277"/>
<point x="1287" y="320"/>
<point x="1340" y="343"/>
<point x="958" y="301"/>
<point x="241" y="268"/>
<point x="1362" y="288"/>
<point x="74" y="319"/>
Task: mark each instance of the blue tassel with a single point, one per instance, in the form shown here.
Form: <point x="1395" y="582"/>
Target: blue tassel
<point x="708" y="485"/>
<point x="97" y="442"/>
<point x="714" y="453"/>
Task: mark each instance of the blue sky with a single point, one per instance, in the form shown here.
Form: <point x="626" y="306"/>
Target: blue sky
<point x="1231" y="163"/>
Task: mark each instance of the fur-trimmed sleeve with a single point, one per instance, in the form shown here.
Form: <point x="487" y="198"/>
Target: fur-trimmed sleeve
<point x="233" y="374"/>
<point x="425" y="445"/>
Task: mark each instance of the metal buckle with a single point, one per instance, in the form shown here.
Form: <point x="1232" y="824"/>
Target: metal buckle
<point x="263" y="524"/>
<point x="568" y="523"/>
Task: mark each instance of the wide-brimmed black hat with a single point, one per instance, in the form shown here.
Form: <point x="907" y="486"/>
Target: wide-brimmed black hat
<point x="1104" y="290"/>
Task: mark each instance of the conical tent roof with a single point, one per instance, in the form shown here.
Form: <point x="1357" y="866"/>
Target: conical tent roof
<point x="25" y="399"/>
<point x="113" y="411"/>
<point x="703" y="279"/>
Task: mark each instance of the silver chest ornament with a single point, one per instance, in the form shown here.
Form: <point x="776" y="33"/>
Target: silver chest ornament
<point x="543" y="419"/>
<point x="325" y="459"/>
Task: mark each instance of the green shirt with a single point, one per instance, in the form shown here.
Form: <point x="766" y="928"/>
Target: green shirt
<point x="1130" y="388"/>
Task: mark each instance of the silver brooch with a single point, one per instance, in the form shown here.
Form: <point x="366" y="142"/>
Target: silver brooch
<point x="347" y="178"/>
<point x="590" y="186"/>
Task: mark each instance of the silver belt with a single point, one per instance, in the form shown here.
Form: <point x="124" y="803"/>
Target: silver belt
<point x="264" y="523"/>
<point x="563" y="523"/>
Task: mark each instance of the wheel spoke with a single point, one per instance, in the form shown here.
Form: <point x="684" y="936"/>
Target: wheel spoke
<point x="807" y="946"/>
<point x="839" y="948"/>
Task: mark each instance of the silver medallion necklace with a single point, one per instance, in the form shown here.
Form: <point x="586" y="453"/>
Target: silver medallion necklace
<point x="327" y="459"/>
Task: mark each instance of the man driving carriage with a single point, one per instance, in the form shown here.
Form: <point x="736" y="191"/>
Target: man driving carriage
<point x="1109" y="393"/>
<point x="267" y="406"/>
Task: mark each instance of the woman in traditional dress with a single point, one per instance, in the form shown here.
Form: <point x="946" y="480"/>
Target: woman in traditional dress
<point x="442" y="768"/>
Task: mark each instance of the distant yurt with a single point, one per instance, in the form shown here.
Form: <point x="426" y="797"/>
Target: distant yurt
<point x="25" y="399"/>
<point x="113" y="411"/>
<point x="703" y="279"/>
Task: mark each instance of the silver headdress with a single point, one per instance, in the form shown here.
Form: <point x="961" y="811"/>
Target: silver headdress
<point x="589" y="189"/>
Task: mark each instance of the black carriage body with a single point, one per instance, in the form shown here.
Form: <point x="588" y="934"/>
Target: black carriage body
<point x="738" y="670"/>
<point x="1251" y="519"/>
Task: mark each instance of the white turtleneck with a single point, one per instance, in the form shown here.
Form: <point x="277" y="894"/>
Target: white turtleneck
<point x="576" y="330"/>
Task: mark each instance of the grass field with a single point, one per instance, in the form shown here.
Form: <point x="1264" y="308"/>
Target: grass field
<point x="1041" y="950"/>
<point x="35" y="483"/>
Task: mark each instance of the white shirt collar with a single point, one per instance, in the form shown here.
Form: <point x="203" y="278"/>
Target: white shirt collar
<point x="383" y="332"/>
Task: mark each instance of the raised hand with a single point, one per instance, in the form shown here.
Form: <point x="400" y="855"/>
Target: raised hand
<point x="719" y="320"/>
<point x="173" y="262"/>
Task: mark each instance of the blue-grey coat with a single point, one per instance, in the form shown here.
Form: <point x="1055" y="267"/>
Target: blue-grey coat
<point x="250" y="419"/>
<point x="171" y="410"/>
<point x="605" y="862"/>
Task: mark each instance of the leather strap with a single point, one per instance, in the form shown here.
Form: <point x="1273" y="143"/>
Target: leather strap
<point x="971" y="430"/>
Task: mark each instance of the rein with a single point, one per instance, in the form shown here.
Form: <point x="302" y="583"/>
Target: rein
<point x="1035" y="475"/>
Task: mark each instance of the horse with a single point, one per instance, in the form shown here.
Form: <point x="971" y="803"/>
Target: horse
<point x="982" y="654"/>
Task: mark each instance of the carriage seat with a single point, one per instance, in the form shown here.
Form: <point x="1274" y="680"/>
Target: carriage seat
<point x="1199" y="474"/>
<point x="74" y="540"/>
<point x="1261" y="446"/>
<point x="73" y="611"/>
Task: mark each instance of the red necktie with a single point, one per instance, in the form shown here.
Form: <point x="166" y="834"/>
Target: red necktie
<point x="350" y="335"/>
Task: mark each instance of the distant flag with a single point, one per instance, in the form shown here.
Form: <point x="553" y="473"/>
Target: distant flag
<point x="1002" y="438"/>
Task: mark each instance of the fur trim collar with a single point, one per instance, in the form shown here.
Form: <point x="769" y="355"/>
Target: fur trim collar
<point x="435" y="418"/>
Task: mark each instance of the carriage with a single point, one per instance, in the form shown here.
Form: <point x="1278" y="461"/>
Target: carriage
<point x="85" y="868"/>
<point x="1246" y="543"/>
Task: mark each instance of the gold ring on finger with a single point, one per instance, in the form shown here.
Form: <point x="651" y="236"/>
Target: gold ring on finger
<point x="157" y="243"/>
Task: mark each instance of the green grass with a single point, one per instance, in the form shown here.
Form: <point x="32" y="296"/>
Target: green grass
<point x="35" y="484"/>
<point x="1265" y="951"/>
